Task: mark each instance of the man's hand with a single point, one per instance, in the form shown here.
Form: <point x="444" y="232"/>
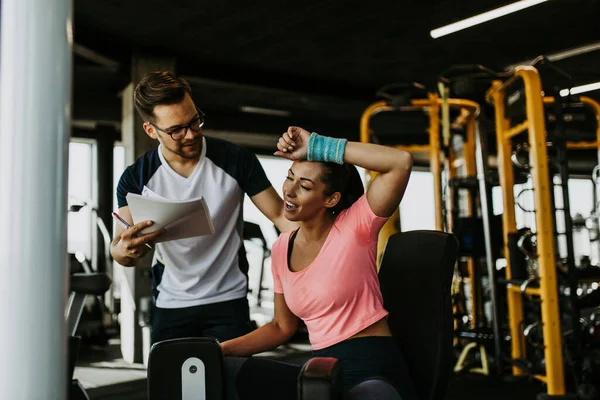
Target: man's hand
<point x="132" y="246"/>
<point x="293" y="144"/>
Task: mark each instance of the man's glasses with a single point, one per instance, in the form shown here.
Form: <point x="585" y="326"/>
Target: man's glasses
<point x="178" y="132"/>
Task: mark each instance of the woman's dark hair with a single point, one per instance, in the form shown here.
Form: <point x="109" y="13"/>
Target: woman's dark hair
<point x="345" y="179"/>
<point x="159" y="88"/>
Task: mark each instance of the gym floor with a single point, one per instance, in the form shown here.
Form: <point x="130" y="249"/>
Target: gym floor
<point x="107" y="377"/>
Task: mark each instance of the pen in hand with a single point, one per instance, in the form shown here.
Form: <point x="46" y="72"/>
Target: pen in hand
<point x="126" y="225"/>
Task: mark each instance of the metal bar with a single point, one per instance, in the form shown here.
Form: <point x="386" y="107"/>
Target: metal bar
<point x="445" y="108"/>
<point x="469" y="154"/>
<point x="74" y="311"/>
<point x="530" y="291"/>
<point x="514" y="131"/>
<point x="365" y="132"/>
<point x="505" y="171"/>
<point x="473" y="280"/>
<point x="582" y="145"/>
<point x="35" y="102"/>
<point x="469" y="160"/>
<point x="499" y="86"/>
<point x="559" y="140"/>
<point x="453" y="211"/>
<point x="594" y="105"/>
<point x="484" y="196"/>
<point x="463" y="119"/>
<point x="414" y="148"/>
<point x="545" y="238"/>
<point x="434" y="158"/>
<point x="470" y="170"/>
<point x="470" y="105"/>
<point x="424" y="103"/>
<point x="561" y="55"/>
<point x="452" y="206"/>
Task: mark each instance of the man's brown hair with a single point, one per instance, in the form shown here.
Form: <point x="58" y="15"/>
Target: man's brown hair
<point x="159" y="88"/>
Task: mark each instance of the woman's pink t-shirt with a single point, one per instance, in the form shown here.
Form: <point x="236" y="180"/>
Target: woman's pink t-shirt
<point x="338" y="294"/>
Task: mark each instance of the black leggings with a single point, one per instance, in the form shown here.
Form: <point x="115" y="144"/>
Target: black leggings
<point x="223" y="321"/>
<point x="373" y="368"/>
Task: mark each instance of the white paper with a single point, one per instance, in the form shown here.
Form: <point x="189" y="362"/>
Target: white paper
<point x="181" y="219"/>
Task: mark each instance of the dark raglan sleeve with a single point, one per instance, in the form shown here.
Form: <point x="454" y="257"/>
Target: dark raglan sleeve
<point x="251" y="175"/>
<point x="127" y="184"/>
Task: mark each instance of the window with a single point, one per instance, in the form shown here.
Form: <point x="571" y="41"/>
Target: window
<point x="118" y="168"/>
<point x="276" y="170"/>
<point x="81" y="177"/>
<point x="417" y="209"/>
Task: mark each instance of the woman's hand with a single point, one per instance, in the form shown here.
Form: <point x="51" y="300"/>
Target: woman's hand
<point x="267" y="337"/>
<point x="293" y="144"/>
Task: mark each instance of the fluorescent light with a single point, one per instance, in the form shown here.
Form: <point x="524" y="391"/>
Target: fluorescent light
<point x="581" y="89"/>
<point x="486" y="16"/>
<point x="265" y="111"/>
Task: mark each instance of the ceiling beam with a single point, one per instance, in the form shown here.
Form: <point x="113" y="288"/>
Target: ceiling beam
<point x="260" y="100"/>
<point x="95" y="57"/>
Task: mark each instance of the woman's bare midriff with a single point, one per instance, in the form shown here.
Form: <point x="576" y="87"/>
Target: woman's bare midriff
<point x="379" y="328"/>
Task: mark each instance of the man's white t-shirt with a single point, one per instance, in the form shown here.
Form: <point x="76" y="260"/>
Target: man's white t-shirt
<point x="204" y="269"/>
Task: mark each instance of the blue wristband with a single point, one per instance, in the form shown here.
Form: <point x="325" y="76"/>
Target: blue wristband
<point x="324" y="148"/>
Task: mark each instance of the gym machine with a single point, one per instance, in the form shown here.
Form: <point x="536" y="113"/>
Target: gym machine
<point x="403" y="98"/>
<point x="470" y="219"/>
<point x="82" y="285"/>
<point x="98" y="321"/>
<point x="552" y="281"/>
<point x="456" y="118"/>
<point x="416" y="115"/>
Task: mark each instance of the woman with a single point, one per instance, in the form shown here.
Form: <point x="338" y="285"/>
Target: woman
<point x="325" y="271"/>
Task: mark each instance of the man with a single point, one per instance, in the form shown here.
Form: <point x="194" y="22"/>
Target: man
<point x="200" y="284"/>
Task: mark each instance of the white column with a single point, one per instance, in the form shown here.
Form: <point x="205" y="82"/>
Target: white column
<point x="35" y="95"/>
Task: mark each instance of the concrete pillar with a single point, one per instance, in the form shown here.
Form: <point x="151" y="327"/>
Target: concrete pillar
<point x="105" y="142"/>
<point x="138" y="281"/>
<point x="35" y="108"/>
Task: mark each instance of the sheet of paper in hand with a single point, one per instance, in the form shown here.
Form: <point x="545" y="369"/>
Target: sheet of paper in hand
<point x="181" y="219"/>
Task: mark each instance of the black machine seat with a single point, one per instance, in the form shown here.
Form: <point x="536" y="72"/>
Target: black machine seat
<point x="186" y="369"/>
<point x="416" y="278"/>
<point x="95" y="284"/>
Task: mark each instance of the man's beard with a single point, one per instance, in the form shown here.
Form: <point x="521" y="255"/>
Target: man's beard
<point x="183" y="154"/>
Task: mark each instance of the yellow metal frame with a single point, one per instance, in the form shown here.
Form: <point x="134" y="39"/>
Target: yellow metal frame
<point x="433" y="106"/>
<point x="535" y="124"/>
